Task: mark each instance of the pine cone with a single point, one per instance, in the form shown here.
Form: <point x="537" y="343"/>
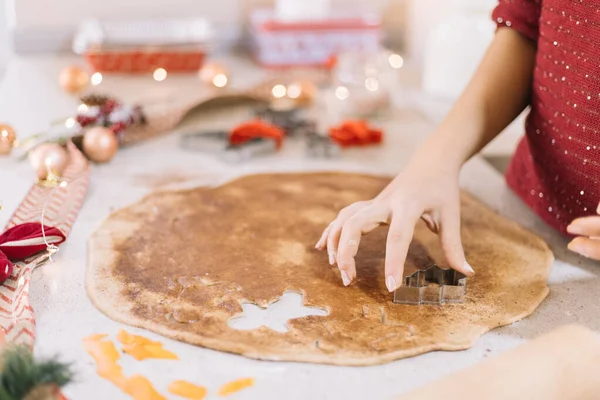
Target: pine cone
<point x="45" y="392"/>
<point x="92" y="100"/>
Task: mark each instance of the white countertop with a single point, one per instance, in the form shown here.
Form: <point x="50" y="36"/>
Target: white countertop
<point x="30" y="98"/>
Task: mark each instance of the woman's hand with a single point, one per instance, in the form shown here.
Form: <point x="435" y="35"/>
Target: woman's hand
<point x="588" y="241"/>
<point x="428" y="188"/>
<point x="418" y="192"/>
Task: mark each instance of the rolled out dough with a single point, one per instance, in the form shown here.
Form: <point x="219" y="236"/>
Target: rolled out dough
<point x="182" y="263"/>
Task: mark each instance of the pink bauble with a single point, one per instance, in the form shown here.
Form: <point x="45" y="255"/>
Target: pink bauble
<point x="48" y="158"/>
<point x="100" y="144"/>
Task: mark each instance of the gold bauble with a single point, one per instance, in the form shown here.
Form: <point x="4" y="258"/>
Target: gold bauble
<point x="100" y="144"/>
<point x="8" y="139"/>
<point x="48" y="160"/>
<point x="73" y="79"/>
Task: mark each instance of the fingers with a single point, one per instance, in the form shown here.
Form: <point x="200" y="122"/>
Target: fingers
<point x="399" y="237"/>
<point x="586" y="226"/>
<point x="333" y="240"/>
<point x="587" y="247"/>
<point x="359" y="224"/>
<point x="598" y="209"/>
<point x="347" y="249"/>
<point x="323" y="240"/>
<point x="335" y="228"/>
<point x="451" y="240"/>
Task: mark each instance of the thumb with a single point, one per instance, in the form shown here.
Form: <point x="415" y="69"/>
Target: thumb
<point x="451" y="241"/>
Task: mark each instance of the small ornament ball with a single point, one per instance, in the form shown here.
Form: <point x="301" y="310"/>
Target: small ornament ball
<point x="73" y="79"/>
<point x="7" y="139"/>
<point x="48" y="159"/>
<point x="100" y="144"/>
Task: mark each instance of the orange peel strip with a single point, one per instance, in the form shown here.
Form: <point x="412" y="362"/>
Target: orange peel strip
<point x="235" y="386"/>
<point x="140" y="388"/>
<point x="188" y="390"/>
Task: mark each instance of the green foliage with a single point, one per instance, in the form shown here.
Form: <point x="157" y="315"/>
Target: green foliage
<point x="20" y="373"/>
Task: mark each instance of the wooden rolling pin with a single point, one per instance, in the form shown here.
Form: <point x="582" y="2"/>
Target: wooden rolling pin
<point x="561" y="365"/>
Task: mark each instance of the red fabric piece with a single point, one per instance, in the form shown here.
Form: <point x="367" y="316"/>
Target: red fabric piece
<point x="30" y="230"/>
<point x="355" y="133"/>
<point x="108" y="107"/>
<point x="6" y="267"/>
<point x="256" y="129"/>
<point x="556" y="167"/>
<point x="85" y="120"/>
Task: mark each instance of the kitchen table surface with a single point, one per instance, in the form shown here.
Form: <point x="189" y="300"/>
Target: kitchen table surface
<point x="30" y="98"/>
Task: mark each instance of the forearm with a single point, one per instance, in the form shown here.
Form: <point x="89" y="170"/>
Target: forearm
<point x="496" y="95"/>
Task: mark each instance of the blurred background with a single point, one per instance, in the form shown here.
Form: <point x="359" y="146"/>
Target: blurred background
<point x="37" y="26"/>
<point x="433" y="47"/>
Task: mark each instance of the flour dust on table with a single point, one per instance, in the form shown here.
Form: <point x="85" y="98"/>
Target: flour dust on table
<point x="188" y="265"/>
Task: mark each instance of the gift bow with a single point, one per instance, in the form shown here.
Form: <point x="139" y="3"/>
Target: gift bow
<point x="23" y="241"/>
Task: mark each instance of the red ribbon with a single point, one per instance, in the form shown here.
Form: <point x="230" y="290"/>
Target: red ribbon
<point x="355" y="133"/>
<point x="256" y="129"/>
<point x="23" y="241"/>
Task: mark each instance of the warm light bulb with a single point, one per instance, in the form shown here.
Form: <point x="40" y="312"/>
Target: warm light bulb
<point x="160" y="74"/>
<point x="294" y="91"/>
<point x="279" y="91"/>
<point x="70" y="122"/>
<point x="82" y="108"/>
<point x="372" y="84"/>
<point x="96" y="79"/>
<point x="342" y="93"/>
<point x="220" y="80"/>
<point x="396" y="61"/>
<point x="4" y="133"/>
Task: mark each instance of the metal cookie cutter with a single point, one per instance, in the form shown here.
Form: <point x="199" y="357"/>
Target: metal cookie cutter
<point x="433" y="285"/>
<point x="320" y="146"/>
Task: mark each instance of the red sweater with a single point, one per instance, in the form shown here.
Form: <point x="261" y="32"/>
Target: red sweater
<point x="556" y="167"/>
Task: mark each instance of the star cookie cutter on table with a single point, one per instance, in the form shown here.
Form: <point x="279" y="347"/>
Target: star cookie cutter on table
<point x="433" y="285"/>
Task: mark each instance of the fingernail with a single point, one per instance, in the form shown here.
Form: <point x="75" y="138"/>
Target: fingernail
<point x="573" y="229"/>
<point x="575" y="247"/>
<point x="331" y="258"/>
<point x="390" y="282"/>
<point x="469" y="269"/>
<point x="345" y="278"/>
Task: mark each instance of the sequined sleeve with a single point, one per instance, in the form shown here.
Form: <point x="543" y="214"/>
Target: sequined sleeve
<point x="522" y="15"/>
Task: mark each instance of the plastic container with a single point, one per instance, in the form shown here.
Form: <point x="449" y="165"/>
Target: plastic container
<point x="178" y="45"/>
<point x="364" y="83"/>
<point x="281" y="43"/>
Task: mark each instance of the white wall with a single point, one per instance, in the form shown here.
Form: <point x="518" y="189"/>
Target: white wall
<point x="63" y="13"/>
<point x="4" y="47"/>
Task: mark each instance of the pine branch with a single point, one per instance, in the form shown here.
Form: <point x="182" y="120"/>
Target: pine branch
<point x="21" y="373"/>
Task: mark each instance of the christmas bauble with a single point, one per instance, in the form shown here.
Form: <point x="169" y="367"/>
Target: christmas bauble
<point x="7" y="139"/>
<point x="73" y="79"/>
<point x="100" y="144"/>
<point x="48" y="159"/>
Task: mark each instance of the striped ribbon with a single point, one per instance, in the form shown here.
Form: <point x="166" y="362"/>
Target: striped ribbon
<point x="60" y="206"/>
